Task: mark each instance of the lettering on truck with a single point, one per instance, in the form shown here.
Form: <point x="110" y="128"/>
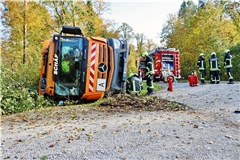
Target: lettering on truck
<point x="55" y="62"/>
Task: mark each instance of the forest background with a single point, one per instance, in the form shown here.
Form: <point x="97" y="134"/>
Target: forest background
<point x="209" y="26"/>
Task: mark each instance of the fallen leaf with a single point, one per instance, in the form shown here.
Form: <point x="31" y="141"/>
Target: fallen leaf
<point x="116" y="131"/>
<point x="43" y="158"/>
<point x="101" y="151"/>
<point x="195" y="126"/>
<point x="89" y="134"/>
<point x="104" y="126"/>
<point x="51" y="145"/>
<point x="78" y="129"/>
<point x="73" y="116"/>
<point x="228" y="136"/>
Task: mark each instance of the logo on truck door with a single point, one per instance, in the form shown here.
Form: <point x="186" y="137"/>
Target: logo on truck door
<point x="102" y="67"/>
<point x="55" y="64"/>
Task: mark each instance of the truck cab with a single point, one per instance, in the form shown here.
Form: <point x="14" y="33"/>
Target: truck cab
<point x="78" y="67"/>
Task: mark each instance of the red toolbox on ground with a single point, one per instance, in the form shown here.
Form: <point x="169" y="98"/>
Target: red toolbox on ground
<point x="193" y="80"/>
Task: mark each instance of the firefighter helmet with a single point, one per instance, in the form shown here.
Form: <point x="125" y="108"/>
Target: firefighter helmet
<point x="201" y="54"/>
<point x="144" y="54"/>
<point x="227" y="51"/>
<point x="213" y="53"/>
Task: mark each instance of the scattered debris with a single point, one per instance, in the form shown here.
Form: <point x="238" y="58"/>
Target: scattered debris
<point x="128" y="102"/>
<point x="238" y="110"/>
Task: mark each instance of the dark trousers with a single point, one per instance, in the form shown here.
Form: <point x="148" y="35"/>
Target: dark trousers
<point x="229" y="73"/>
<point x="149" y="82"/>
<point x="202" y="73"/>
<point x="215" y="77"/>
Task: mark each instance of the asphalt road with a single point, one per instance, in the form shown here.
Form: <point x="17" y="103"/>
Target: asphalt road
<point x="207" y="97"/>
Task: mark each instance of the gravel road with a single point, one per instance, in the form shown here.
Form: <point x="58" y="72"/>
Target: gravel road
<point x="211" y="131"/>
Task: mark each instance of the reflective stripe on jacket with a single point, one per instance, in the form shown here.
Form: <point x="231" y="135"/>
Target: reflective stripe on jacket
<point x="65" y="66"/>
<point x="149" y="66"/>
<point x="213" y="63"/>
<point x="201" y="64"/>
<point x="228" y="63"/>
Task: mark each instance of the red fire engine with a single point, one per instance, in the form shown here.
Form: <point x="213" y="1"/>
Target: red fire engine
<point x="166" y="63"/>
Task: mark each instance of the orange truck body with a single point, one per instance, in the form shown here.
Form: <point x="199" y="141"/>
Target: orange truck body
<point x="78" y="67"/>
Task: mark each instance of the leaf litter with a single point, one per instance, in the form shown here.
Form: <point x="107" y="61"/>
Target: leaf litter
<point x="128" y="102"/>
<point x="119" y="103"/>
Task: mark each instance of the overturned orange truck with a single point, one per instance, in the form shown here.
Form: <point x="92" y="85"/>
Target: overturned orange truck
<point x="78" y="67"/>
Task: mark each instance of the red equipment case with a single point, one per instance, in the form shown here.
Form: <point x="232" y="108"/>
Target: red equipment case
<point x="193" y="80"/>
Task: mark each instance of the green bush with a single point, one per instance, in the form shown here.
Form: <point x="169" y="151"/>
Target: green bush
<point x="16" y="97"/>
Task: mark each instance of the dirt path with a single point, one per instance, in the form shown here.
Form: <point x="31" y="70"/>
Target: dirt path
<point x="210" y="131"/>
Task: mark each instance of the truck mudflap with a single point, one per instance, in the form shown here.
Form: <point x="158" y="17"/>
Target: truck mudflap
<point x="120" y="54"/>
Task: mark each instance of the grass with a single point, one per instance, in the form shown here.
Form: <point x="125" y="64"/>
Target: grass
<point x="156" y="88"/>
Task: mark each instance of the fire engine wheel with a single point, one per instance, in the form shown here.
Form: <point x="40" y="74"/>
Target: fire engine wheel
<point x="172" y="79"/>
<point x="165" y="79"/>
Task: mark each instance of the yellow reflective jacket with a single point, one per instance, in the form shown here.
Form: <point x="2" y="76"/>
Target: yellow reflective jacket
<point x="65" y="66"/>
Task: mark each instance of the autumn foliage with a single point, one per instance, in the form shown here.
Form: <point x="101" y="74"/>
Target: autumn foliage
<point x="210" y="26"/>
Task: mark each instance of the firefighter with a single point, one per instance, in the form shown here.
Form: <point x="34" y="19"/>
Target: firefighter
<point x="134" y="84"/>
<point x="201" y="64"/>
<point x="214" y="69"/>
<point x="66" y="63"/>
<point x="149" y="72"/>
<point x="228" y="65"/>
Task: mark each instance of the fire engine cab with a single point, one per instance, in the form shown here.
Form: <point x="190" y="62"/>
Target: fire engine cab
<point x="166" y="63"/>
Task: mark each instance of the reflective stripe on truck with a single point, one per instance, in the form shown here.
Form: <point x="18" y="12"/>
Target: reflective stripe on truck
<point x="92" y="67"/>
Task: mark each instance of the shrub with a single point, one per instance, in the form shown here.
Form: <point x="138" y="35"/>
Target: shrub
<point x="16" y="97"/>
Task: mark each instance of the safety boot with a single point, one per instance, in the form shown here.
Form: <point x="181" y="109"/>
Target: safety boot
<point x="203" y="82"/>
<point x="212" y="82"/>
<point x="150" y="91"/>
<point x="230" y="82"/>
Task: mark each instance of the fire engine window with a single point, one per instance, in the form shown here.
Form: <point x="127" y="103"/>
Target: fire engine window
<point x="167" y="57"/>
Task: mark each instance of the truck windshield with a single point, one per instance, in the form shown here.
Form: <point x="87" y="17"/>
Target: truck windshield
<point x="70" y="57"/>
